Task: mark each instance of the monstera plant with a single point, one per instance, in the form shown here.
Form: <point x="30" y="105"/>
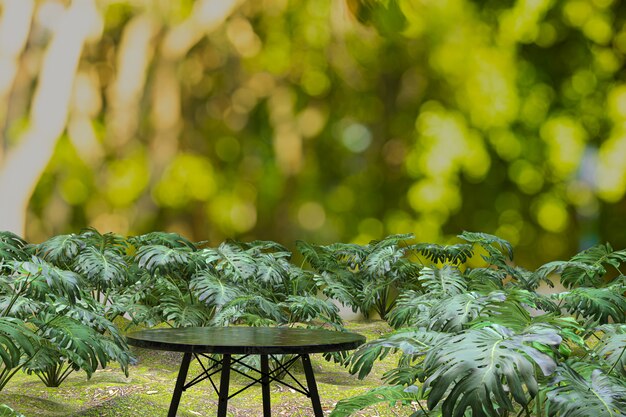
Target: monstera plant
<point x="483" y="342"/>
<point x="235" y="283"/>
<point x="364" y="277"/>
<point x="49" y="323"/>
<point x="58" y="298"/>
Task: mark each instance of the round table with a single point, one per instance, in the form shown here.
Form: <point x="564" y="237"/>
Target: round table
<point x="203" y="342"/>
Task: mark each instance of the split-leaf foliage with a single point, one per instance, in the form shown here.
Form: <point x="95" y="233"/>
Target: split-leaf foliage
<point x="482" y="339"/>
<point x="476" y="334"/>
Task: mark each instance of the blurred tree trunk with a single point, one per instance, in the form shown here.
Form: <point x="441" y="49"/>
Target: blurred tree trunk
<point x="14" y="29"/>
<point x="23" y="165"/>
<point x="23" y="159"/>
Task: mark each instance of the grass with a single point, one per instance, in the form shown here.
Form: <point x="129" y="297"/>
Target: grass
<point x="147" y="390"/>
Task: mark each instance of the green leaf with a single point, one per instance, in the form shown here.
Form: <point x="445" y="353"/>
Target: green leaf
<point x="572" y="395"/>
<point x="447" y="281"/>
<point x="176" y="307"/>
<point x="213" y="291"/>
<point x="451" y="314"/>
<point x="411" y="309"/>
<point x="485" y="280"/>
<point x="61" y="250"/>
<point x="414" y="342"/>
<point x="12" y="247"/>
<point x="318" y="257"/>
<point x="381" y="262"/>
<point x="83" y="346"/>
<point x="170" y="240"/>
<point x="572" y="273"/>
<point x="601" y="304"/>
<point x="454" y="254"/>
<point x="600" y="255"/>
<point x="270" y="270"/>
<point x="486" y="241"/>
<point x="162" y="259"/>
<point x="37" y="279"/>
<point x="504" y="311"/>
<point x="231" y="261"/>
<point x="103" y="269"/>
<point x="339" y="286"/>
<point x="612" y="348"/>
<point x="403" y="375"/>
<point x="16" y="341"/>
<point x="304" y="309"/>
<point x="483" y="369"/>
<point x="6" y="411"/>
<point x="389" y="395"/>
<point x="256" y="305"/>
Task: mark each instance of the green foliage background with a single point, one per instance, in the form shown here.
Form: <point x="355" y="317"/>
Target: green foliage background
<point x="330" y="121"/>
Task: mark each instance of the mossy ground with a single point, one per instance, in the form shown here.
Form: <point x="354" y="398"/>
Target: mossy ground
<point x="148" y="388"/>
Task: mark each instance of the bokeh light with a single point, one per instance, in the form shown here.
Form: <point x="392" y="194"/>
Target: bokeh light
<point x="316" y="119"/>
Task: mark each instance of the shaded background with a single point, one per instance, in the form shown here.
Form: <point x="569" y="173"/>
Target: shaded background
<point x="321" y="120"/>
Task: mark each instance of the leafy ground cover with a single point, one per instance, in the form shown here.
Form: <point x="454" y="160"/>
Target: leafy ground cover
<point x="147" y="390"/>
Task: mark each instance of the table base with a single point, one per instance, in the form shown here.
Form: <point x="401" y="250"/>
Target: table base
<point x="225" y="366"/>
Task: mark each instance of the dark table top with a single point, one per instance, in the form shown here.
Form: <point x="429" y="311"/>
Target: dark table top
<point x="245" y="340"/>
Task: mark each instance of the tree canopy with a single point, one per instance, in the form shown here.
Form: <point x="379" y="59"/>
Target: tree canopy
<point x="317" y="119"/>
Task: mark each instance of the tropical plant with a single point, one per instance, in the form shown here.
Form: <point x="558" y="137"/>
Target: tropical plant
<point x="364" y="277"/>
<point x="6" y="411"/>
<point x="483" y="342"/>
<point x="50" y="324"/>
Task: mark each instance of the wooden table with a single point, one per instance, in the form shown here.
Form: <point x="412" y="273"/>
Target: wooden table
<point x="205" y="342"/>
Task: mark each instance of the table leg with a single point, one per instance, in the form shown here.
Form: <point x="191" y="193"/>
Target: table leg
<point x="224" y="382"/>
<point x="265" y="385"/>
<point x="312" y="387"/>
<point x="180" y="384"/>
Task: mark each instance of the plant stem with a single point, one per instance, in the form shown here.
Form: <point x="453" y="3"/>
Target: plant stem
<point x="422" y="408"/>
<point x="15" y="297"/>
<point x="619" y="358"/>
<point x="6" y="378"/>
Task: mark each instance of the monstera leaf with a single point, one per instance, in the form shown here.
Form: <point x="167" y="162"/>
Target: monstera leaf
<point x="163" y="259"/>
<point x="411" y="310"/>
<point x="16" y="340"/>
<point x="485" y="279"/>
<point x="485" y="239"/>
<point x="254" y="305"/>
<point x="37" y="278"/>
<point x="601" y="304"/>
<point x="447" y="281"/>
<point x="12" y="247"/>
<point x="304" y="309"/>
<point x="454" y="254"/>
<point x="481" y="369"/>
<point x="411" y="342"/>
<point x="382" y="261"/>
<point x="339" y="286"/>
<point x="179" y="309"/>
<point x="212" y="290"/>
<point x="319" y="257"/>
<point x="170" y="240"/>
<point x="387" y="394"/>
<point x="572" y="273"/>
<point x="271" y="270"/>
<point x="6" y="411"/>
<point x="80" y="345"/>
<point x="601" y="255"/>
<point x="61" y="250"/>
<point x="452" y="314"/>
<point x="103" y="269"/>
<point x="231" y="261"/>
<point x="612" y="348"/>
<point x="573" y="395"/>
